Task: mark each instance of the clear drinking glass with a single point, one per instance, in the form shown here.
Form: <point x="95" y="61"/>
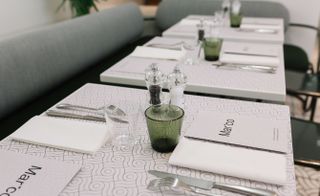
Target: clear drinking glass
<point x="123" y="134"/>
<point x="190" y="52"/>
<point x="218" y="18"/>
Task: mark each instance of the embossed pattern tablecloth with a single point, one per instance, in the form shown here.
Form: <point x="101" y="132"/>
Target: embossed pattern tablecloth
<point x="123" y="171"/>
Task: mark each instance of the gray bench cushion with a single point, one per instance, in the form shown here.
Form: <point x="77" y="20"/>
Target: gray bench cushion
<point x="171" y="11"/>
<point x="33" y="62"/>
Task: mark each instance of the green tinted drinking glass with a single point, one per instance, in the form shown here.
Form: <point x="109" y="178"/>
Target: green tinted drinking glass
<point x="212" y="47"/>
<point x="164" y="126"/>
<point x="235" y="20"/>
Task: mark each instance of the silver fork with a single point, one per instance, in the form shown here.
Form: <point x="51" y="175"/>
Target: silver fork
<point x="110" y="109"/>
<point x="174" y="184"/>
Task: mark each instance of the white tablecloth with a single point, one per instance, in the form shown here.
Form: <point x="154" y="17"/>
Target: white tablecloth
<point x="204" y="77"/>
<point x="115" y="171"/>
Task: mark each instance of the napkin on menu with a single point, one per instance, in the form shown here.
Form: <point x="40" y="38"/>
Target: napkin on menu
<point x="157" y="53"/>
<point x="230" y="160"/>
<point x="78" y="136"/>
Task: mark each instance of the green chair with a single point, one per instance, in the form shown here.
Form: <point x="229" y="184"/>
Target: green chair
<point x="306" y="142"/>
<point x="302" y="79"/>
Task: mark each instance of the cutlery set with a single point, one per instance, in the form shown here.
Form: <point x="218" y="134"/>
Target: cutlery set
<point x="266" y="31"/>
<point x="173" y="46"/>
<point x="177" y="182"/>
<point x="247" y="67"/>
<point x="96" y="114"/>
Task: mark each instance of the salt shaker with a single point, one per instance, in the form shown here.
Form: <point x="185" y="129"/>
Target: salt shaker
<point x="226" y="6"/>
<point x="235" y="7"/>
<point x="154" y="79"/>
<point x="177" y="82"/>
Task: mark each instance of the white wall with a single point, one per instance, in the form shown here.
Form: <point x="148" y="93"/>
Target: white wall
<point x="303" y="12"/>
<point x="20" y="15"/>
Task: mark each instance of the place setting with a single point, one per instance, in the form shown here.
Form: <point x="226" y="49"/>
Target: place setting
<point x="234" y="26"/>
<point x="262" y="58"/>
<point x="81" y="128"/>
<point x="206" y="139"/>
<point x="229" y="138"/>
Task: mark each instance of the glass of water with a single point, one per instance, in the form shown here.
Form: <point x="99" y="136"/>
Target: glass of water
<point x="190" y="52"/>
<point x="123" y="133"/>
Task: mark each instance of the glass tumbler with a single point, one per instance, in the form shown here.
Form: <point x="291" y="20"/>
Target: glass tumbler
<point x="164" y="126"/>
<point x="189" y="48"/>
<point x="212" y="47"/>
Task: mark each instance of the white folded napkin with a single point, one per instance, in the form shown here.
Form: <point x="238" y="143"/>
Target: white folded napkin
<point x="157" y="53"/>
<point x="229" y="160"/>
<point x="189" y="22"/>
<point x="196" y="21"/>
<point x="78" y="136"/>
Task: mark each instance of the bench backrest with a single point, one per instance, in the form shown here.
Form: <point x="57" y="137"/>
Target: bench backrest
<point x="33" y="62"/>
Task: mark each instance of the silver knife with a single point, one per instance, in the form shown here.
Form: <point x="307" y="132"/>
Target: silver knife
<point x="204" y="184"/>
<point x="56" y="113"/>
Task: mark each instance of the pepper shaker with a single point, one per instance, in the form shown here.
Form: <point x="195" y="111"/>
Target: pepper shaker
<point x="201" y="30"/>
<point x="154" y="79"/>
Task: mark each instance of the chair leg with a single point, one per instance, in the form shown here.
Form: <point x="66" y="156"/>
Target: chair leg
<point x="303" y="100"/>
<point x="305" y="104"/>
<point x="313" y="106"/>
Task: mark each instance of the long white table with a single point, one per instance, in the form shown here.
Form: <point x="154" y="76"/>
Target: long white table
<point x="205" y="78"/>
<point x="188" y="29"/>
<point x="123" y="171"/>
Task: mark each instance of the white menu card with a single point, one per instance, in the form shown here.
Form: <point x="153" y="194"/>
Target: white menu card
<point x="23" y="174"/>
<point x="260" y="133"/>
